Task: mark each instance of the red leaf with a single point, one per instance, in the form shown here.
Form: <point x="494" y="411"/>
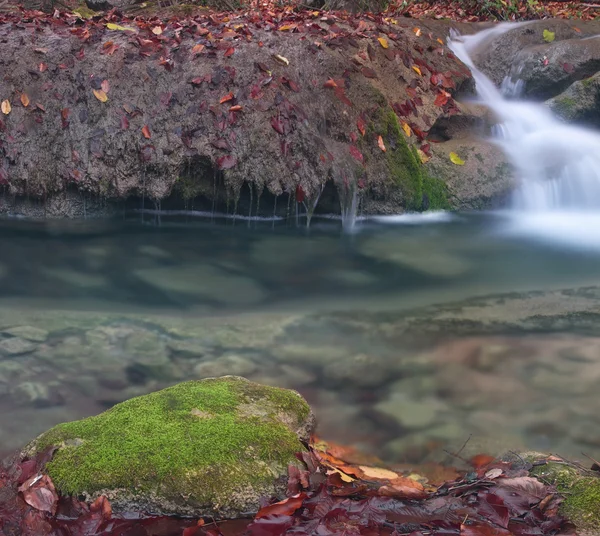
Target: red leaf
<point x="368" y="72"/>
<point x="330" y="83"/>
<point x="341" y="94"/>
<point x="356" y="153"/>
<point x="300" y="196"/>
<point x="226" y="98"/>
<point x="279" y="125"/>
<point x="39" y="492"/>
<point x="442" y="98"/>
<point x="124" y="122"/>
<point x="221" y="143"/>
<point x="476" y="529"/>
<point x="361" y="125"/>
<point x="80" y="54"/>
<point x="291" y="84"/>
<point x="288" y="506"/>
<point x="402" y="492"/>
<point x="226" y="162"/>
<point x="481" y="460"/>
<point x="229" y="52"/>
<point x="353" y="137"/>
<point x="568" y="68"/>
<point x="146" y="132"/>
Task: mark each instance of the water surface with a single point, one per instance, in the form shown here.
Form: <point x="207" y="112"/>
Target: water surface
<point x="410" y="336"/>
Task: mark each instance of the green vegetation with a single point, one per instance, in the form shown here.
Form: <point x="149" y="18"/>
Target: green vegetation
<point x="581" y="493"/>
<point x="421" y="191"/>
<point x="202" y="438"/>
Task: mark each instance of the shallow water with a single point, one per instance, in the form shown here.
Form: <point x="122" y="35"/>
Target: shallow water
<point x="410" y="336"/>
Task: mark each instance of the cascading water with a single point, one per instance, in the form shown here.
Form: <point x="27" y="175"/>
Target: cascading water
<point x="558" y="165"/>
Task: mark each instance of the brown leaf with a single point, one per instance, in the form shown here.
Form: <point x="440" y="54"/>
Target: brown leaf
<point x="196" y="49"/>
<point x="330" y="83"/>
<point x="380" y="143"/>
<point x="368" y="72"/>
<point x="146" y="132"/>
<point x="226" y="98"/>
<point x="5" y="107"/>
<point x="229" y="52"/>
<point x="283" y="508"/>
<point x="399" y="491"/>
<point x="24" y="100"/>
<point x="39" y="492"/>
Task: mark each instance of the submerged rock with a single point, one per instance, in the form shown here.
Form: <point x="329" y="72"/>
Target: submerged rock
<point x="205" y="448"/>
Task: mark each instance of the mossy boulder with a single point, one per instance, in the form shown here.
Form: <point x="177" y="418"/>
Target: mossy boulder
<point x="212" y="447"/>
<point x="579" y="487"/>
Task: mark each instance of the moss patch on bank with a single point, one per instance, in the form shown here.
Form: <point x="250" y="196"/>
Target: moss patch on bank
<point x="420" y="190"/>
<point x="581" y="493"/>
<point x="207" y="440"/>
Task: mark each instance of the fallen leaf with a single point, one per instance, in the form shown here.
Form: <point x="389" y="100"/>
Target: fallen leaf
<point x="226" y="162"/>
<point x="41" y="50"/>
<point x="548" y="36"/>
<point x="476" y="529"/>
<point x="406" y="128"/>
<point x="100" y="95"/>
<point x="226" y="98"/>
<point x="383" y="42"/>
<point x="5" y="107"/>
<point x="330" y="83"/>
<point x="40" y="107"/>
<point x="455" y="159"/>
<point x="361" y="125"/>
<point x="113" y="26"/>
<point x="356" y="153"/>
<point x="300" y="194"/>
<point x="568" y="68"/>
<point x="417" y="70"/>
<point x="282" y="508"/>
<point x="196" y="49"/>
<point x="43" y="67"/>
<point x="380" y="143"/>
<point x="417" y="31"/>
<point x="368" y="72"/>
<point x="377" y="472"/>
<point x="402" y="492"/>
<point x="229" y="52"/>
<point x="440" y="41"/>
<point x="281" y="59"/>
<point x="236" y="108"/>
<point x="105" y="86"/>
<point x="157" y="30"/>
<point x="146" y="132"/>
<point x="24" y="100"/>
<point x="287" y="27"/>
<point x="38" y="492"/>
<point x="424" y="158"/>
<point x="493" y="473"/>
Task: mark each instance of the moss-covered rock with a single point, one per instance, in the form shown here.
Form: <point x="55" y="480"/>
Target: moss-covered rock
<point x="210" y="447"/>
<point x="581" y="491"/>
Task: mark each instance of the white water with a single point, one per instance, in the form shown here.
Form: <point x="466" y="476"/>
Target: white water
<point x="558" y="165"/>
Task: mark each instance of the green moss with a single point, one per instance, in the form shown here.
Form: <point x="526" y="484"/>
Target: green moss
<point x="419" y="189"/>
<point x="196" y="438"/>
<point x="581" y="494"/>
<point x="564" y="106"/>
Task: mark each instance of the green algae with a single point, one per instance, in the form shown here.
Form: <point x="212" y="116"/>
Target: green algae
<point x="420" y="190"/>
<point x="200" y="439"/>
<point x="581" y="493"/>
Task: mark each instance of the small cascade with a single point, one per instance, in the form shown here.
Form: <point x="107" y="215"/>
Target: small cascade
<point x="558" y="164"/>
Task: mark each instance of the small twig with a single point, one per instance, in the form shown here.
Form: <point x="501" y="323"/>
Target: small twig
<point x="457" y="454"/>
<point x="595" y="461"/>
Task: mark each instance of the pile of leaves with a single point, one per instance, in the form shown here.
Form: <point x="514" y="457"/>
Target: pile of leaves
<point x="501" y="10"/>
<point x="330" y="496"/>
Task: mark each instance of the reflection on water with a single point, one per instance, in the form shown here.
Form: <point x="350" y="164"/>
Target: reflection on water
<point x="406" y="339"/>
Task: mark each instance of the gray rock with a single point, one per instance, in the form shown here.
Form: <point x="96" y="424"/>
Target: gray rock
<point x="15" y="346"/>
<point x="29" y="333"/>
<point x="580" y="102"/>
<point x="363" y="370"/>
<point x="37" y="394"/>
<point x="235" y="365"/>
<point x="411" y="413"/>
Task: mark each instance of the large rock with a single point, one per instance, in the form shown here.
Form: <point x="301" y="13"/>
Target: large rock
<point x="203" y="448"/>
<point x="580" y="102"/>
<point x="523" y="53"/>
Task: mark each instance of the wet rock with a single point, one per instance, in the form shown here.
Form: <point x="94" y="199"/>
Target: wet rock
<point x="188" y="348"/>
<point x="40" y="395"/>
<point x="28" y="333"/>
<point x="75" y="278"/>
<point x="236" y="365"/>
<point x="206" y="281"/>
<point x="412" y="413"/>
<point x="579" y="103"/>
<point x="201" y="448"/>
<point x="361" y="370"/>
<point x="15" y="346"/>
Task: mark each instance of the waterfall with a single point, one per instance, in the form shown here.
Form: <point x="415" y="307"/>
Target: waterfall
<point x="558" y="165"/>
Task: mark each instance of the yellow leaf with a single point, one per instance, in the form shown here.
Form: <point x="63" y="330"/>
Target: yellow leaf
<point x="5" y="107"/>
<point x="548" y="36"/>
<point x="383" y="42"/>
<point x="100" y="95"/>
<point x="281" y="59"/>
<point x="417" y="70"/>
<point x="455" y="159"/>
<point x="406" y="128"/>
<point x="424" y="159"/>
<point x="157" y="30"/>
<point x="113" y="26"/>
<point x="440" y="41"/>
<point x="377" y="472"/>
<point x="344" y="476"/>
<point x="196" y="49"/>
<point x="286" y="27"/>
<point x="24" y="100"/>
<point x="417" y="31"/>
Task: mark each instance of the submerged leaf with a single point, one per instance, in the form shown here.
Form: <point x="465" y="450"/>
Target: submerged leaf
<point x="455" y="159"/>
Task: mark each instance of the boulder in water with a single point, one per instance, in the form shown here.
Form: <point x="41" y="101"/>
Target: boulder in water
<point x="204" y="448"/>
